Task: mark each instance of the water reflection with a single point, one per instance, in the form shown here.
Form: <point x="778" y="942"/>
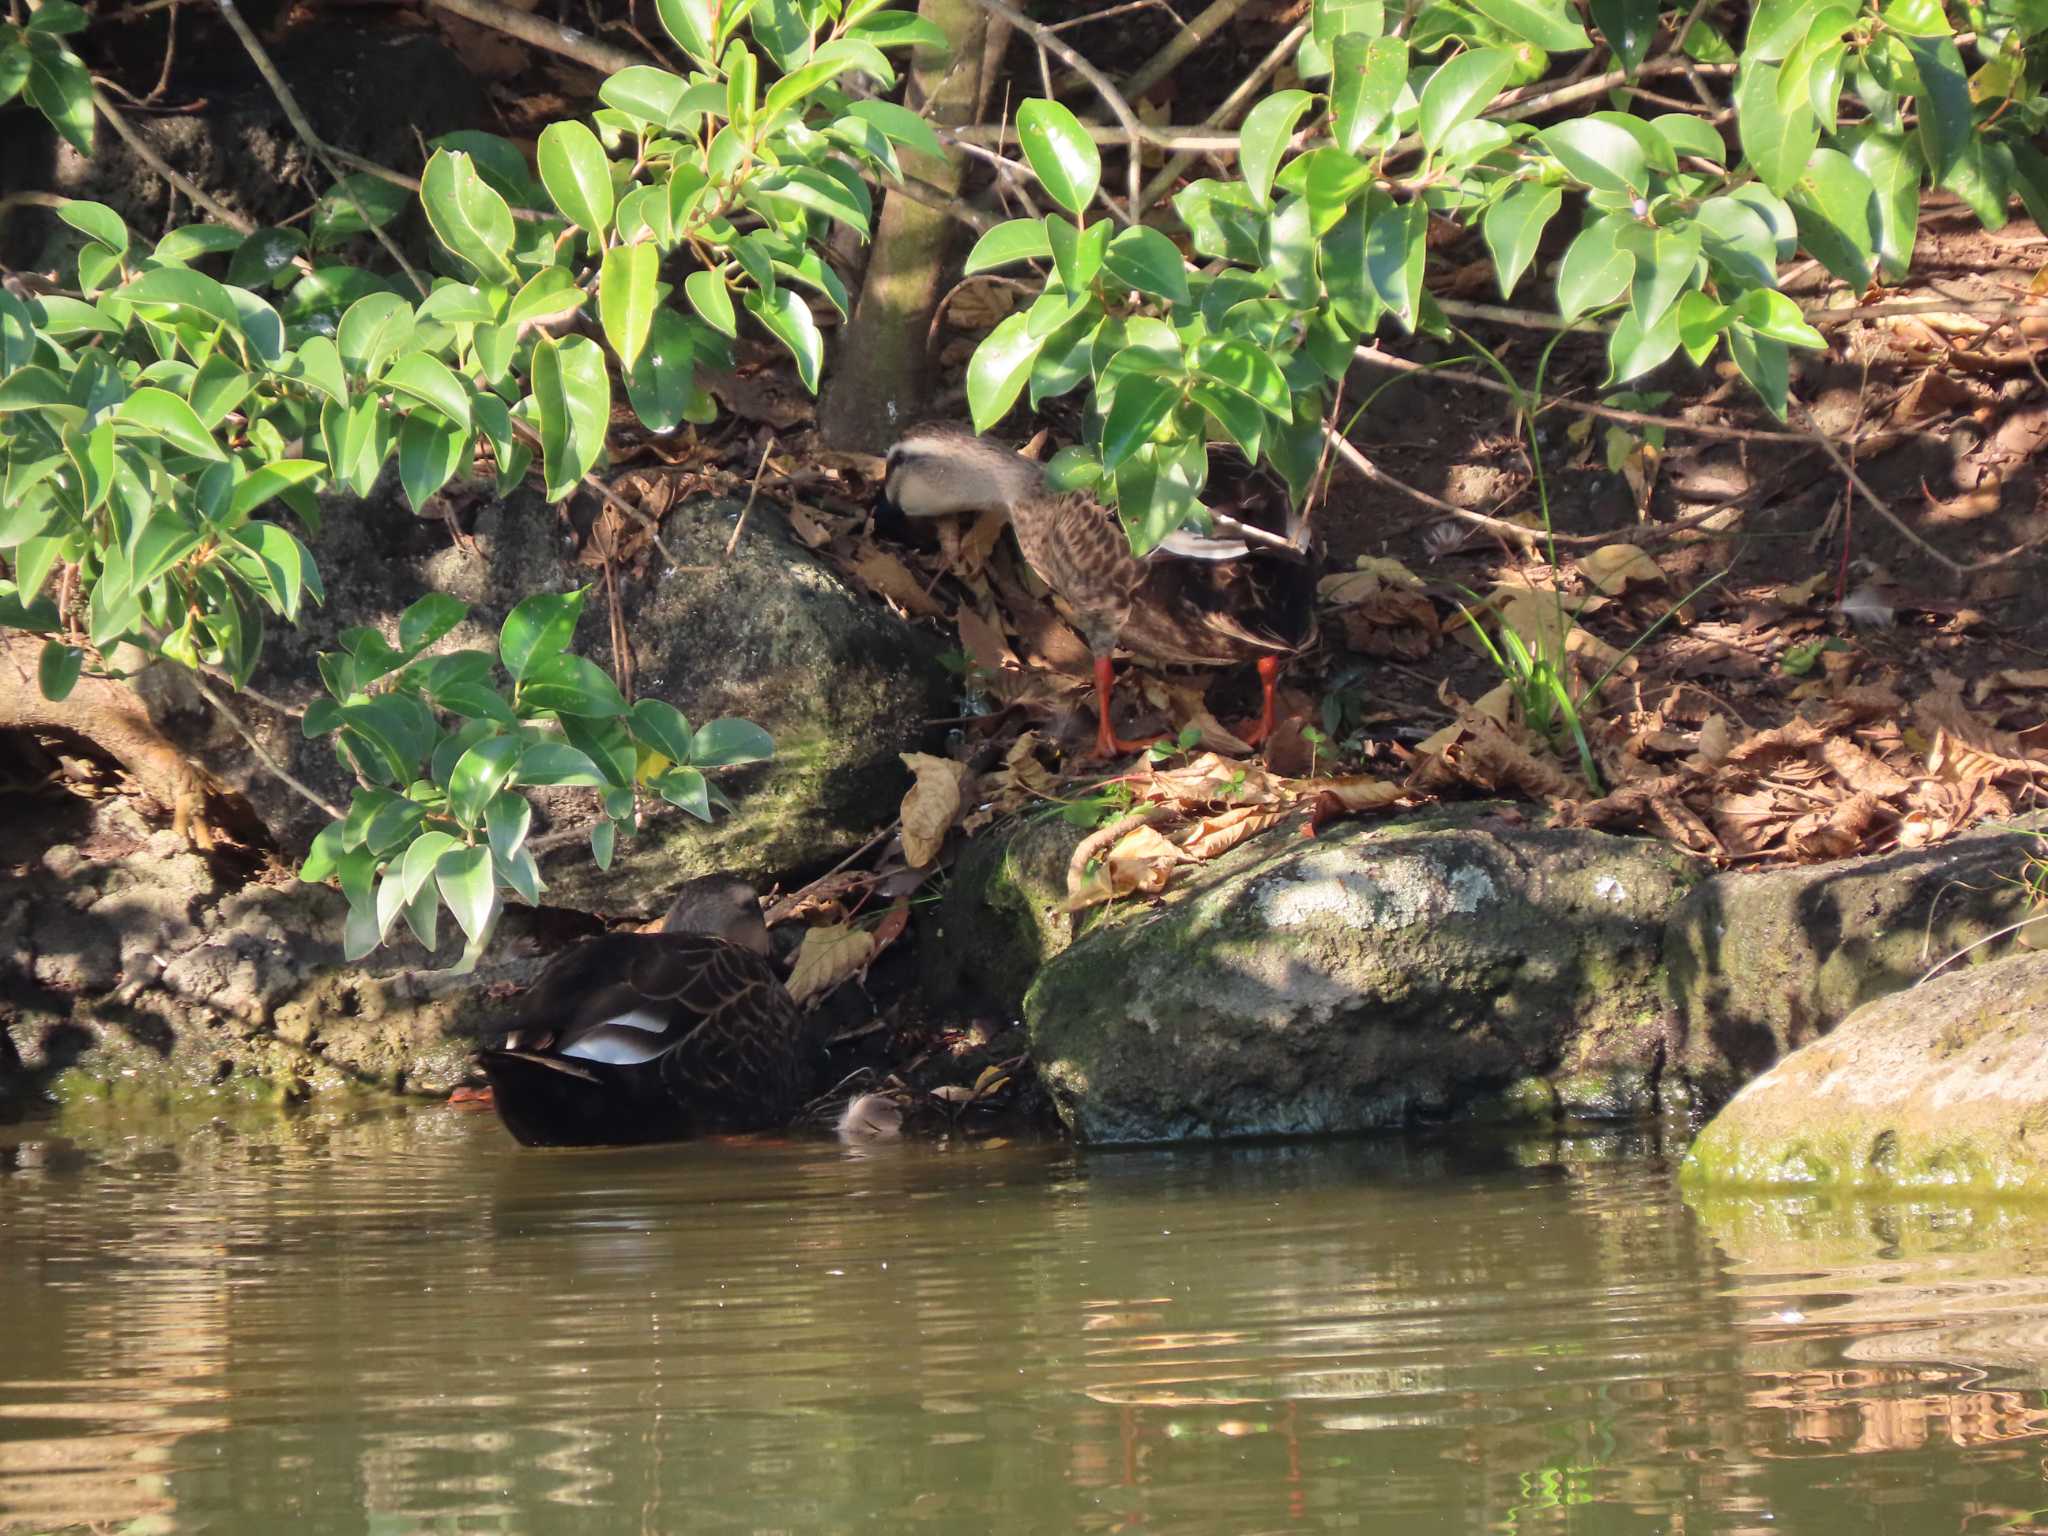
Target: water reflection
<point x="406" y="1324"/>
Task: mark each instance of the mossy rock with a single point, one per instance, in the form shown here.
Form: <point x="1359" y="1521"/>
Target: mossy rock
<point x="1943" y="1087"/>
<point x="1452" y="962"/>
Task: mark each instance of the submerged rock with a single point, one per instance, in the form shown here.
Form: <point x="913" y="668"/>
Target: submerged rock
<point x="1941" y="1086"/>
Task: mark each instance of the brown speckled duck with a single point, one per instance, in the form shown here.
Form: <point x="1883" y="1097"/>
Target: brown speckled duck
<point x="637" y="1037"/>
<point x="1079" y="550"/>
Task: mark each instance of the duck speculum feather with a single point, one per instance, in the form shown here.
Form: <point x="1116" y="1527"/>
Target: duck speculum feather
<point x="637" y="1037"/>
<point x="1161" y="608"/>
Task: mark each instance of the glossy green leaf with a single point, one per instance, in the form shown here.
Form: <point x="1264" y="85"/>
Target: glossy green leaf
<point x="1395" y="249"/>
<point x="569" y="685"/>
<point x="1775" y="28"/>
<point x="626" y="298"/>
<point x="1595" y="271"/>
<point x="649" y="95"/>
<point x="997" y="371"/>
<point x="577" y="174"/>
<point x="1764" y="363"/>
<point x="375" y="329"/>
<point x="355" y="205"/>
<point x="1012" y="240"/>
<point x="96" y="221"/>
<point x="690" y="23"/>
<point x="467" y="215"/>
<point x="687" y="790"/>
<point x="539" y="627"/>
<point x="1077" y="256"/>
<point x="1141" y="404"/>
<point x="1546" y="23"/>
<point x="479" y="775"/>
<point x="1514" y="226"/>
<point x="661" y="383"/>
<point x="1061" y="154"/>
<point x="786" y="315"/>
<point x="1946" y="113"/>
<point x="712" y="299"/>
<point x="164" y="415"/>
<point x="572" y="393"/>
<point x="467" y="885"/>
<point x="59" y="88"/>
<point x="1634" y="348"/>
<point x="660" y="725"/>
<point x="1891" y="161"/>
<point x="1776" y="138"/>
<point x="1461" y="89"/>
<point x="57" y="671"/>
<point x="1263" y="140"/>
<point x="1629" y="27"/>
<point x="1665" y="263"/>
<point x="1146" y="260"/>
<point x="431" y="451"/>
<point x="268" y="480"/>
<point x="727" y="742"/>
<point x="1834" y="204"/>
<point x="1366" y="82"/>
<point x="545" y="763"/>
<point x="1772" y="314"/>
<point x="900" y="124"/>
<point x="1599" y="154"/>
<point x="419" y="376"/>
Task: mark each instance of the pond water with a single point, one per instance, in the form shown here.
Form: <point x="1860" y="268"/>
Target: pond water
<point x="405" y="1323"/>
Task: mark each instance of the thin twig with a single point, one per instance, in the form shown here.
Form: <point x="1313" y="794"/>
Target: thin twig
<point x="754" y="495"/>
<point x="549" y="36"/>
<point x="1112" y="98"/>
<point x="1875" y="502"/>
<point x="1192" y="35"/>
<point x="1527" y="538"/>
<point x="260" y="57"/>
<point x="156" y="162"/>
<point x="1226" y="111"/>
<point x="276" y="769"/>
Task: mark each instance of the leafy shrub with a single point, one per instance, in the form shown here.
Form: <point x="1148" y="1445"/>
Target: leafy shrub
<point x="1845" y="114"/>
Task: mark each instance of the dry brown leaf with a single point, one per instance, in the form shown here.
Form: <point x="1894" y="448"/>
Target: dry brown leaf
<point x="1860" y="771"/>
<point x="1612" y="567"/>
<point x="1142" y="861"/>
<point x="1021" y="780"/>
<point x="978" y="306"/>
<point x="889" y="578"/>
<point x="932" y="806"/>
<point x="1716" y="740"/>
<point x="827" y="957"/>
<point x="809" y="531"/>
<point x="1355" y="792"/>
<point x="1373" y="577"/>
<point x="1211" y="780"/>
<point x="1186" y="706"/>
<point x="1214" y="835"/>
<point x="1542" y="619"/>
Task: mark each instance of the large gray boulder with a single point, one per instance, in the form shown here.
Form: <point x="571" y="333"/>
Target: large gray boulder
<point x="769" y="634"/>
<point x="1942" y="1086"/>
<point x="1376" y="973"/>
<point x="1459" y="962"/>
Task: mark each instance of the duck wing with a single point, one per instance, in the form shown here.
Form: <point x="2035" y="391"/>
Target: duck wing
<point x="1079" y="549"/>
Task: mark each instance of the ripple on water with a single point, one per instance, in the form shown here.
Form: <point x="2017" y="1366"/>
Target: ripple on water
<point x="406" y="1323"/>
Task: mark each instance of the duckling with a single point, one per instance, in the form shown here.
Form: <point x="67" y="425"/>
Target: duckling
<point x="1079" y="550"/>
<point x="636" y="1037"/>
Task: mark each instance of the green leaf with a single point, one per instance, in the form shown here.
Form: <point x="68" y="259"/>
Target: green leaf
<point x="691" y="24"/>
<point x="727" y="742"/>
<point x="57" y="18"/>
<point x="60" y="89"/>
<point x="545" y="763"/>
<point x="1012" y="240"/>
<point x="1764" y="363"/>
<point x="96" y="221"/>
<point x="790" y="319"/>
<point x="899" y="124"/>
<point x="1268" y="129"/>
<point x="1247" y="370"/>
<point x="1141" y="404"/>
<point x="420" y="377"/>
<point x="508" y="817"/>
<point x="661" y="384"/>
<point x="539" y="627"/>
<point x="1077" y="256"/>
<point x="479" y="774"/>
<point x="1634" y="348"/>
<point x="14" y="64"/>
<point x="1596" y="270"/>
<point x="1700" y="324"/>
<point x="1666" y="260"/>
<point x="1772" y="314"/>
<point x="164" y="415"/>
<point x="998" y="369"/>
<point x="573" y="394"/>
<point x="1600" y="154"/>
<point x="375" y="329"/>
<point x="1891" y="161"/>
<point x="626" y="298"/>
<point x="1146" y="260"/>
<point x="1514" y="226"/>
<point x="1776" y="138"/>
<point x="1833" y="201"/>
<point x="1690" y="135"/>
<point x="1460" y="90"/>
<point x="1395" y="248"/>
<point x="1366" y="82"/>
<point x="576" y="173"/>
<point x="846" y="201"/>
<point x="464" y="876"/>
<point x="646" y="94"/>
<point x="431" y="451"/>
<point x="1546" y="23"/>
<point x="1775" y="28"/>
<point x="355" y="205"/>
<point x="57" y="672"/>
<point x="660" y="725"/>
<point x="569" y="685"/>
<point x="467" y="215"/>
<point x="1061" y="154"/>
<point x="686" y="789"/>
<point x="1629" y="27"/>
<point x="712" y="299"/>
<point x="1947" y="115"/>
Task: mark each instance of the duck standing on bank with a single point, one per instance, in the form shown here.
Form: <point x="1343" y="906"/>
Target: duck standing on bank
<point x="1080" y="550"/>
<point x="637" y="1037"/>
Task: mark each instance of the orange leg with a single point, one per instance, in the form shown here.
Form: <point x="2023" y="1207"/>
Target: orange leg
<point x="1107" y="743"/>
<point x="1269" y="674"/>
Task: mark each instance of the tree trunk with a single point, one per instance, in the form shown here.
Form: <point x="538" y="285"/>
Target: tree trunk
<point x="881" y="374"/>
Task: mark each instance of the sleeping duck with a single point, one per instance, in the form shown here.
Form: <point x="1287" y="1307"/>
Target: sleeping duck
<point x="637" y="1037"/>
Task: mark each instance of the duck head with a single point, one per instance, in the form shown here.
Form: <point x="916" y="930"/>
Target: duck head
<point x="719" y="907"/>
<point x="940" y="471"/>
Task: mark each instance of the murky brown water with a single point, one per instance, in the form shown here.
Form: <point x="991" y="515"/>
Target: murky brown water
<point x="408" y="1324"/>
